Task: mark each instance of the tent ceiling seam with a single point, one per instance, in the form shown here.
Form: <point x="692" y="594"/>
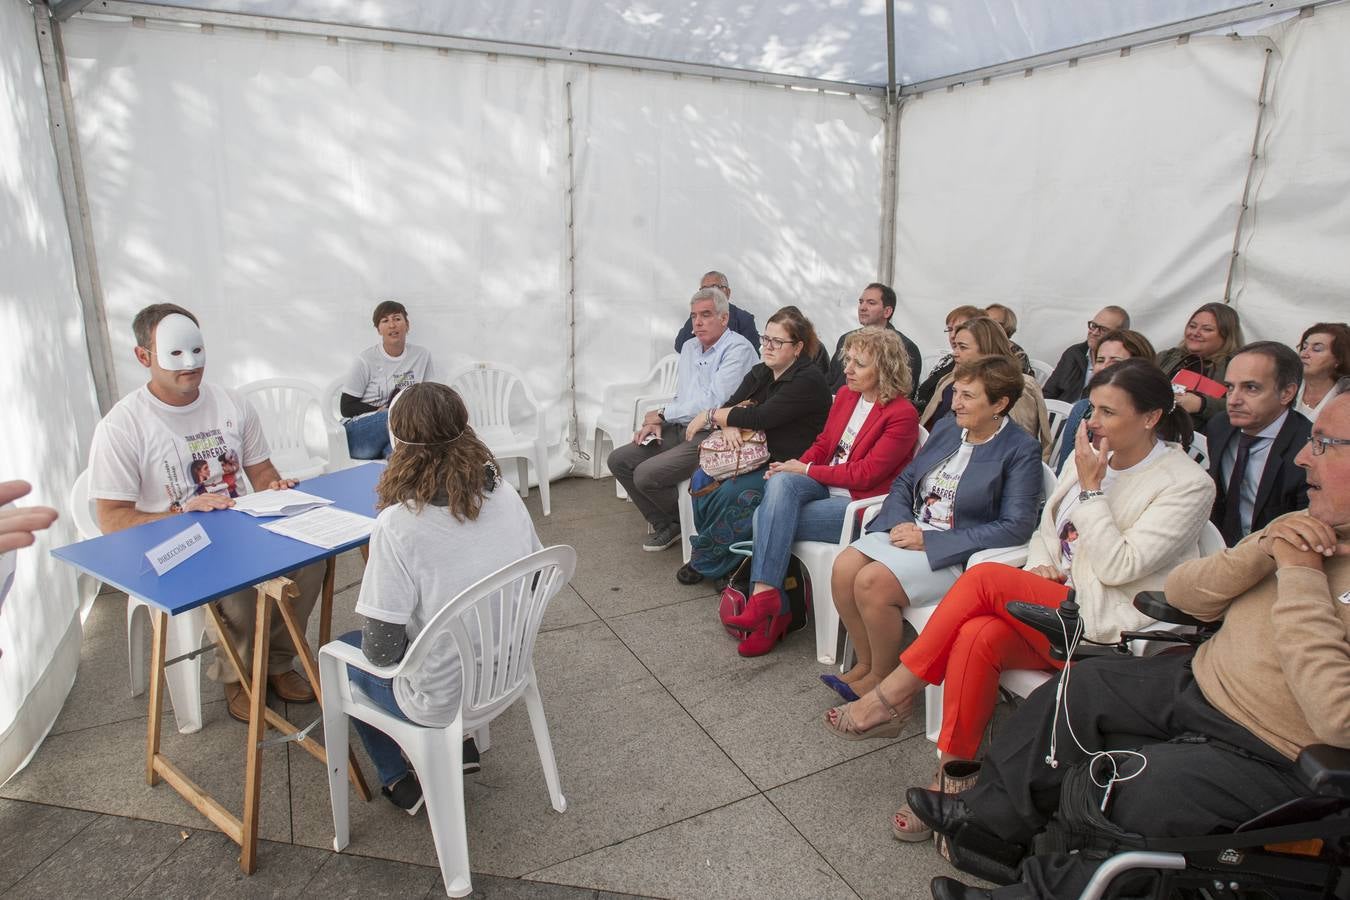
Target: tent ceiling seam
<point x="366" y="34"/>
<point x="1122" y="43"/>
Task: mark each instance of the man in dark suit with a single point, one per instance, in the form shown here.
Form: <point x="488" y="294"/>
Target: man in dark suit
<point x="739" y="321"/>
<point x="875" y="307"/>
<point x="1253" y="443"/>
<point x="1075" y="365"/>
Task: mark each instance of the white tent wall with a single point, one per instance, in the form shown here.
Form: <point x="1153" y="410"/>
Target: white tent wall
<point x="281" y="186"/>
<point x="1118" y="180"/>
<point x="779" y="189"/>
<point x="1294" y="269"/>
<point x="49" y="410"/>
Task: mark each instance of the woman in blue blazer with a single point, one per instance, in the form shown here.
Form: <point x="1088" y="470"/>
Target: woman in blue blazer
<point x="975" y="484"/>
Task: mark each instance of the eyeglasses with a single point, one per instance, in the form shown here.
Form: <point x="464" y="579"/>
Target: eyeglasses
<point x="1094" y="328"/>
<point x="1320" y="444"/>
<point x="775" y="343"/>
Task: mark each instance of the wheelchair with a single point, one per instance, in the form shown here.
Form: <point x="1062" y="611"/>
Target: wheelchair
<point x="1299" y="849"/>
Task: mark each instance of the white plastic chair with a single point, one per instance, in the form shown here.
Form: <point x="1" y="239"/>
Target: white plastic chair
<point x="487" y="389"/>
<point x="817" y="558"/>
<point x="1042" y="369"/>
<point x="186" y="631"/>
<point x="1058" y="413"/>
<point x="686" y="502"/>
<point x="283" y="406"/>
<point x="624" y="405"/>
<point x="493" y="625"/>
<point x="331" y="410"/>
<point x="1199" y="450"/>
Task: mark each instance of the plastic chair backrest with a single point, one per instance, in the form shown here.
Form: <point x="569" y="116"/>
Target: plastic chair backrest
<point x="1042" y="369"/>
<point x="1048" y="481"/>
<point x="82" y="508"/>
<point x="332" y="401"/>
<point x="1211" y="540"/>
<point x="486" y="389"/>
<point x="921" y="440"/>
<point x="1199" y="450"/>
<point x="1058" y="412"/>
<point x="665" y="374"/>
<point x="494" y="623"/>
<point x="283" y="407"/>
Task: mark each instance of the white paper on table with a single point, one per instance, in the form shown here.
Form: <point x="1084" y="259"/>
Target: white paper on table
<point x="278" y="503"/>
<point x="324" y="527"/>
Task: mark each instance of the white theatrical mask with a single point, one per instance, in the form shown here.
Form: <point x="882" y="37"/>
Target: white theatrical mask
<point x="178" y="344"/>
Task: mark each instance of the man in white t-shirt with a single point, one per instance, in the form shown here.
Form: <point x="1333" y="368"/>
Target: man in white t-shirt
<point x="177" y="445"/>
<point x="377" y="374"/>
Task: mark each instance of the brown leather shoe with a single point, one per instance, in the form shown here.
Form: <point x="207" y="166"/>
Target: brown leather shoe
<point x="236" y="701"/>
<point x="291" y="687"/>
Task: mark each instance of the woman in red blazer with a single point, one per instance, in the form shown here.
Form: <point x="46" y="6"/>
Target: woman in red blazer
<point x="869" y="437"/>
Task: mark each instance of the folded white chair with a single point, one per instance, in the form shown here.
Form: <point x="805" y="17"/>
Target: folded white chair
<point x="186" y="631"/>
<point x="493" y="624"/>
<point x="487" y="389"/>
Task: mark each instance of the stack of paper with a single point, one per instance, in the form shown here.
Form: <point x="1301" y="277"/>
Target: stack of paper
<point x="278" y="503"/>
<point x="324" y="527"/>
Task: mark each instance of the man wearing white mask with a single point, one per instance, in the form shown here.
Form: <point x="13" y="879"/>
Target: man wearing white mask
<point x="163" y="450"/>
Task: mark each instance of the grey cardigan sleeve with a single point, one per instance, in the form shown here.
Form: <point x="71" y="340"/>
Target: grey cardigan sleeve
<point x="383" y="643"/>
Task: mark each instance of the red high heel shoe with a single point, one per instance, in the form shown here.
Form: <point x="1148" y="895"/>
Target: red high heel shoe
<point x="758" y="609"/>
<point x="766" y="637"/>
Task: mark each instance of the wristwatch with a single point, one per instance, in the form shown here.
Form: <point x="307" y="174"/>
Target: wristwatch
<point x="1084" y="496"/>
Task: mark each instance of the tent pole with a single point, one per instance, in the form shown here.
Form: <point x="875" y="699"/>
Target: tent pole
<point x="70" y="170"/>
<point x="570" y="312"/>
<point x="1251" y="175"/>
<point x="891" y="119"/>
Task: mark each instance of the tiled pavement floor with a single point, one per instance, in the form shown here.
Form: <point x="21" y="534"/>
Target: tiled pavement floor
<point x="689" y="772"/>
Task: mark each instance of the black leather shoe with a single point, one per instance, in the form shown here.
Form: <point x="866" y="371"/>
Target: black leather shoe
<point x="944" y="813"/>
<point x="687" y="574"/>
<point x="945" y="888"/>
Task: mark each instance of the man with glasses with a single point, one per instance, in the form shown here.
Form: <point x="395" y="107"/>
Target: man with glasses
<point x="876" y="306"/>
<point x="739" y="321"/>
<point x="1074" y="369"/>
<point x="663" y="453"/>
<point x="1219" y="729"/>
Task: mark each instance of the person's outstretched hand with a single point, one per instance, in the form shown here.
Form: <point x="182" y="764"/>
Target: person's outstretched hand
<point x="18" y="524"/>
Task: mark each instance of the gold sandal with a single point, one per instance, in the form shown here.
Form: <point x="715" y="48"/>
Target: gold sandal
<point x="843" y="726"/>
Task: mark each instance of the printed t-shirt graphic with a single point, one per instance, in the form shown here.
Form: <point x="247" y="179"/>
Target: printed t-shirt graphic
<point x="160" y="456"/>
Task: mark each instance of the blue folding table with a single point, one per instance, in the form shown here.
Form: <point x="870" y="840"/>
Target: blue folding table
<point x="241" y="554"/>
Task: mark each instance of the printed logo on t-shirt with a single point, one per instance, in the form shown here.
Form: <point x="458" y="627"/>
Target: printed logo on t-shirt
<point x="1068" y="539"/>
<point x="937" y="503"/>
<point x="213" y="468"/>
<point x="844" y="448"/>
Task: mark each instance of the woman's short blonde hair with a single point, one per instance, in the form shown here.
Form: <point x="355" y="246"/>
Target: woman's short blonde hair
<point x="888" y="354"/>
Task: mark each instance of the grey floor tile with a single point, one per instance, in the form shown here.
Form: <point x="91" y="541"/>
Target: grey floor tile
<point x="491" y="887"/>
<point x="571" y="499"/>
<point x="629" y="759"/>
<point x="206" y="865"/>
<point x="766" y="713"/>
<point x="845" y="813"/>
<point x="107" y="859"/>
<point x="746" y="849"/>
<point x="32" y="833"/>
<point x="363" y="878"/>
<point x="102" y="769"/>
<point x="614" y="574"/>
<point x="567" y="609"/>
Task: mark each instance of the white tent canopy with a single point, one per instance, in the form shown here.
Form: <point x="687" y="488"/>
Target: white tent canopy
<point x="279" y="167"/>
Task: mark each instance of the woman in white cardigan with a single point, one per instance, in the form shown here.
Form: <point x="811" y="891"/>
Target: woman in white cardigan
<point x="1127" y="511"/>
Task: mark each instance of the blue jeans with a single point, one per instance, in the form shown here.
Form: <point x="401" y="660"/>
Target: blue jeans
<point x="368" y="436"/>
<point x="795" y="508"/>
<point x="384" y="751"/>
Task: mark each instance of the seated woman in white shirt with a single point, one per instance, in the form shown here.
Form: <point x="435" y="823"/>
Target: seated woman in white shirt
<point x="376" y="376"/>
<point x="443" y="525"/>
